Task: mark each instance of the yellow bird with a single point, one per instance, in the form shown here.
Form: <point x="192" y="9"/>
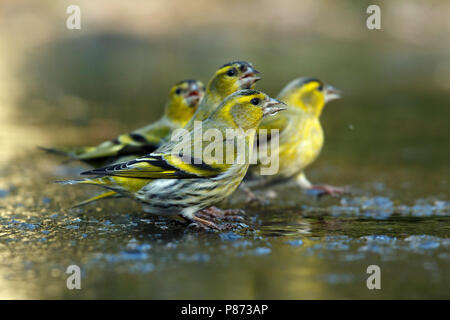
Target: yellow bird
<point x="184" y="98"/>
<point x="229" y="78"/>
<point x="174" y="183"/>
<point x="301" y="136"/>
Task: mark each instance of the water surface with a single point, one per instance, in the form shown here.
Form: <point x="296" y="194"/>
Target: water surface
<point x="293" y="248"/>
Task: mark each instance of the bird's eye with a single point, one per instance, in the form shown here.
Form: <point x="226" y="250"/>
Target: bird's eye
<point x="178" y="91"/>
<point x="320" y="88"/>
<point x="231" y="72"/>
<point x="255" y="101"/>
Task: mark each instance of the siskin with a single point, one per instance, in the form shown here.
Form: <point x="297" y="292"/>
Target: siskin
<point x="174" y="183"/>
<point x="301" y="135"/>
<point x="229" y="78"/>
<point x="184" y="98"/>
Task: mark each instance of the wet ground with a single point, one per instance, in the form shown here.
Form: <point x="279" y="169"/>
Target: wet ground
<point x="388" y="138"/>
<point x="295" y="247"/>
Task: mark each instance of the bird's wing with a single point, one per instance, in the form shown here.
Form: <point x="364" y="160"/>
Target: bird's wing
<point x="122" y="145"/>
<point x="159" y="166"/>
<point x="141" y="141"/>
<point x="71" y="152"/>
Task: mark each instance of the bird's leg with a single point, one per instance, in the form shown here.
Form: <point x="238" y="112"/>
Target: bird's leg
<point x="191" y="215"/>
<point x="304" y="183"/>
<point x="228" y="214"/>
<point x="251" y="196"/>
<point x="206" y="223"/>
<point x="203" y="223"/>
<point x="330" y="190"/>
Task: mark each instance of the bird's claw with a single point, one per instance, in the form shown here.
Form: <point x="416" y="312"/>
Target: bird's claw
<point x="217" y="213"/>
<point x="203" y="224"/>
<point x="202" y="219"/>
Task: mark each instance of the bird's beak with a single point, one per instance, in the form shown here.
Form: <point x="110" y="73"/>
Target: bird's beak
<point x="331" y="93"/>
<point x="273" y="106"/>
<point x="248" y="79"/>
<point x="194" y="95"/>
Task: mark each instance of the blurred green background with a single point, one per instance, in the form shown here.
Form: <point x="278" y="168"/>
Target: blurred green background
<point x="114" y="74"/>
<point x="387" y="137"/>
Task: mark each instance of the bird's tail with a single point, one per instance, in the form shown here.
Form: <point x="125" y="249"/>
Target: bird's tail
<point x="71" y="152"/>
<point x="102" y="196"/>
<point x="100" y="181"/>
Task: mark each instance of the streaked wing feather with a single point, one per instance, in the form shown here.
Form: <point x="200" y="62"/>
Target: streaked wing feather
<point x="158" y="166"/>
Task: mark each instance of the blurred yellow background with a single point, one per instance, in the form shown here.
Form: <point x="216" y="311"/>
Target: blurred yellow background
<point x="61" y="86"/>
